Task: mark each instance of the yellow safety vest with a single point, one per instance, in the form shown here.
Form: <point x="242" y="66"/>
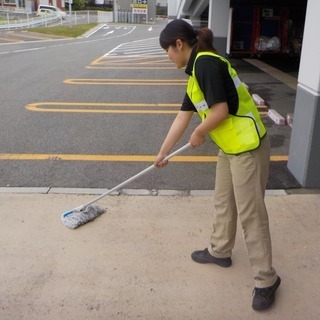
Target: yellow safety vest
<point x="237" y="133"/>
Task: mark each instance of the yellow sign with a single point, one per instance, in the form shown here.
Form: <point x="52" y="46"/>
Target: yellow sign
<point x="138" y="5"/>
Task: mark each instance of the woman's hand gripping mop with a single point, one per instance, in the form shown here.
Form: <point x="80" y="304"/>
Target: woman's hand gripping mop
<point x="88" y="212"/>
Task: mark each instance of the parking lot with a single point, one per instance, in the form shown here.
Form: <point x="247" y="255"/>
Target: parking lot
<point x="119" y="90"/>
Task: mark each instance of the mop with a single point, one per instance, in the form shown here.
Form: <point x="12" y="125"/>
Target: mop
<point x="88" y="211"/>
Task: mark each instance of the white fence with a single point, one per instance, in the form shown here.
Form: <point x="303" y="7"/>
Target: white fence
<point x="123" y="16"/>
<point x="105" y="16"/>
<point x="29" y="22"/>
<point x="18" y="20"/>
<point x="11" y="20"/>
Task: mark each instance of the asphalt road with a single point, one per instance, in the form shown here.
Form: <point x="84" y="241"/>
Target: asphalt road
<point x="91" y="112"/>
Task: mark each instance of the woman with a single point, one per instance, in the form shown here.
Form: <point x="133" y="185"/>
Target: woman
<point x="230" y="117"/>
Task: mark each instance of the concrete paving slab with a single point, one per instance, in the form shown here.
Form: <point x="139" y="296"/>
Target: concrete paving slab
<point x="133" y="262"/>
<point x="24" y="190"/>
<point x="77" y="190"/>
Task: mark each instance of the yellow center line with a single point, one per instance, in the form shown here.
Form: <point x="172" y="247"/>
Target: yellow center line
<point x="114" y="158"/>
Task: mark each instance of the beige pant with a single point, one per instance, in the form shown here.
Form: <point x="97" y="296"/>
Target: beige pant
<point x="239" y="192"/>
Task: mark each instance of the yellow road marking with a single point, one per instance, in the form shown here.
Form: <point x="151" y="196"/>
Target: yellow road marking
<point x="108" y="104"/>
<point x="104" y="111"/>
<point x="129" y="82"/>
<point x="139" y="67"/>
<point x="132" y="62"/>
<point x="278" y="158"/>
<point x="113" y="158"/>
<point x="103" y="107"/>
<point x="130" y="59"/>
<point x="10" y="40"/>
<point x="162" y="61"/>
<point x="97" y="60"/>
<point x="115" y="108"/>
<point x="24" y="35"/>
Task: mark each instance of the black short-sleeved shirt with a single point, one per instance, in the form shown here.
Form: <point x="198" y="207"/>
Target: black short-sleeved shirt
<point x="215" y="82"/>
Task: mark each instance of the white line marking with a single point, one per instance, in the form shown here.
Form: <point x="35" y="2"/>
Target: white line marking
<point x="110" y="32"/>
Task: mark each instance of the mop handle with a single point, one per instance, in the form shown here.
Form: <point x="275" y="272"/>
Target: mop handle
<point x="188" y="145"/>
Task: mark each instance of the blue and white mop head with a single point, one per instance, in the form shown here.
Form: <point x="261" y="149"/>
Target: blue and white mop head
<point x="81" y="215"/>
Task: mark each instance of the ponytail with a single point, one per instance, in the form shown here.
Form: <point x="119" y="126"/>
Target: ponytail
<point x="205" y="40"/>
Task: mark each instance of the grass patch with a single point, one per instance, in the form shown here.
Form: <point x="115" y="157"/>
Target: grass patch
<point x="65" y="31"/>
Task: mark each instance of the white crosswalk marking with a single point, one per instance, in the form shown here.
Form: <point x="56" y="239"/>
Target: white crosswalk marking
<point x="145" y="47"/>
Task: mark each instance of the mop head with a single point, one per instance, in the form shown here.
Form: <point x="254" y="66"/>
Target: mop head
<point x="75" y="218"/>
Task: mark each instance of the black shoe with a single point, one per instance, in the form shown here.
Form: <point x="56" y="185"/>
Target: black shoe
<point x="264" y="297"/>
<point x="203" y="256"/>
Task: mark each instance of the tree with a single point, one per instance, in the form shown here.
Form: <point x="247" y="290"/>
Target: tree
<point x="79" y="4"/>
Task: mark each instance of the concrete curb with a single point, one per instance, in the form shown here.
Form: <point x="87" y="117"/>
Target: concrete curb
<point x="127" y="192"/>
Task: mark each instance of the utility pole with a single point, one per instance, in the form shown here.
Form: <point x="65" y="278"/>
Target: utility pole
<point x="114" y="10"/>
<point x="70" y="13"/>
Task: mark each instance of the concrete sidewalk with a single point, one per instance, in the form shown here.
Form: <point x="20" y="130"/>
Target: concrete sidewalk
<point x="134" y="261"/>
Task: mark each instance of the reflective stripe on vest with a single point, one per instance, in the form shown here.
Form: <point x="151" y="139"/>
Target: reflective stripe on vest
<point x="237" y="133"/>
